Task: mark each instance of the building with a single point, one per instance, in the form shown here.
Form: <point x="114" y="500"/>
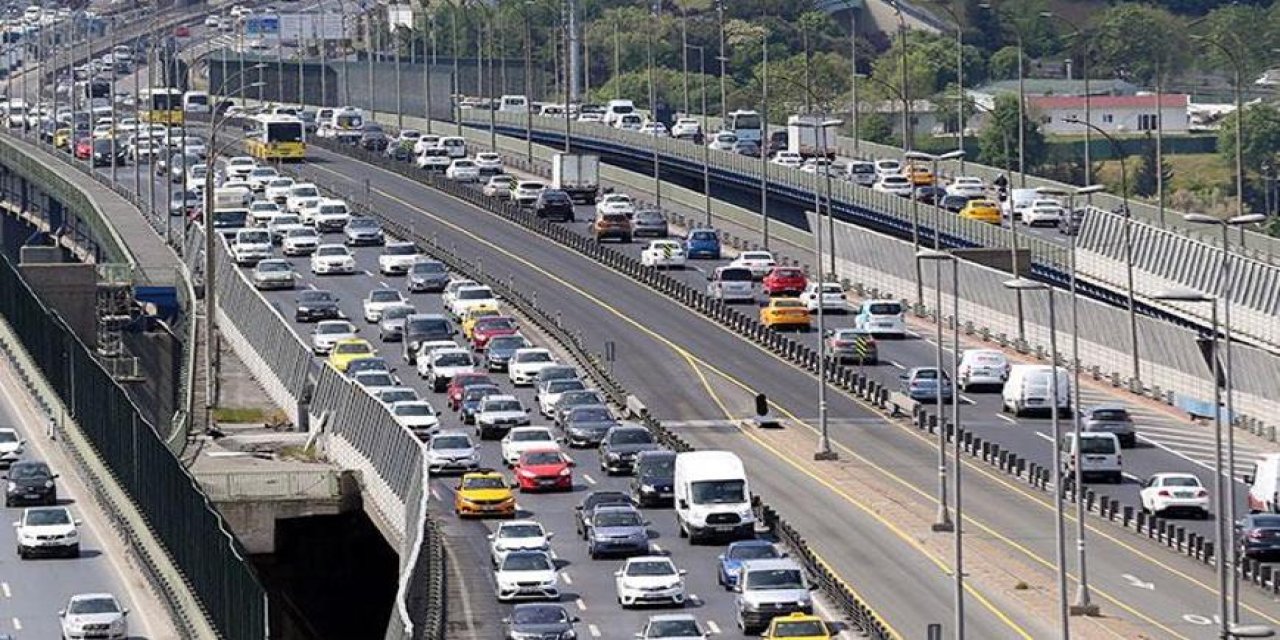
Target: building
<point x="985" y="96"/>
<point x="1113" y="114"/>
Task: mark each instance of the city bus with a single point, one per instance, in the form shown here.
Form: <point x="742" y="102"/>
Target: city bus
<point x="276" y="137"/>
<point x="746" y="125"/>
<point x="163" y="106"/>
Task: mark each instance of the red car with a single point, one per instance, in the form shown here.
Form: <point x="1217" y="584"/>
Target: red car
<point x="459" y="384"/>
<point x="785" y="281"/>
<point x="492" y="327"/>
<point x="182" y="31"/>
<point x="544" y="470"/>
<point x="84" y="148"/>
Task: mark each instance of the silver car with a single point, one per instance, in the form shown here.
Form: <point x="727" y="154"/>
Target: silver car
<point x="391" y="324"/>
<point x="649" y="222"/>
<point x="273" y="274"/>
<point x="451" y="451"/>
<point x="1110" y="418"/>
<point x="770" y="588"/>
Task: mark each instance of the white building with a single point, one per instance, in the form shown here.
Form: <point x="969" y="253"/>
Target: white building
<point x="1113" y="114"/>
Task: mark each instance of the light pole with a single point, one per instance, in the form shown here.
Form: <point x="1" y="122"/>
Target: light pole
<point x="1083" y="605"/>
<point x="915" y="215"/>
<point x="908" y="132"/>
<point x="724" y="105"/>
<point x="1236" y="67"/>
<point x="706" y="129"/>
<point x="960" y="101"/>
<point x="1023" y="284"/>
<point x="1226" y="291"/>
<point x="764" y="136"/>
<point x="958" y="540"/>
<point x="1085" y="41"/>
<point x="854" y="7"/>
<point x="653" y="107"/>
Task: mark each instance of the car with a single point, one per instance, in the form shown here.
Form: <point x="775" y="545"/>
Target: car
<point x="47" y="531"/>
<point x="954" y="204"/>
<point x="852" y="345"/>
<point x="620" y="446"/>
<point x="797" y="626"/>
<point x="785" y="313"/>
<point x="586" y="424"/>
<point x="1111" y="418"/>
<point x="329" y="259"/>
<point x="475" y="314"/>
<point x="653" y="483"/>
<point x="654" y="128"/>
<point x="499" y="186"/>
<point x="540" y="620"/>
<point x="461" y="382"/>
<point x="434" y="159"/>
<point x="11" y="445"/>
<point x="615" y="226"/>
<point x="888" y="166"/>
<point x="517" y="535"/>
<point x="250" y="246"/>
<point x="483" y="492"/>
<point x="821" y="166"/>
<point x="1042" y="213"/>
<point x="276" y="191"/>
<point x="549" y="392"/>
<point x="672" y="626"/>
<point x="427" y="276"/>
<point x="1257" y="536"/>
<point x="649" y="222"/>
<point x="94" y="615"/>
<point x="663" y="254"/>
<point x="489" y="163"/>
<point x="499" y="349"/>
<point x="729" y="563"/>
<point x="785" y="281"/>
<point x="920" y="175"/>
<point x="521" y="439"/>
<point x="498" y="414"/>
<point x="441" y="366"/>
<point x="451" y="288"/>
<point x="329" y="332"/>
<point x="702" y="243"/>
<point x="185" y="203"/>
<point x="686" y="128"/>
<point x="759" y="263"/>
<point x="1166" y="494"/>
<point x="526" y="575"/>
<point x="749" y="148"/>
<point x="616" y="203"/>
<point x="368" y="363"/>
<point x="462" y="170"/>
<point x="1071" y="221"/>
<point x="544" y="470"/>
<point x="570" y="400"/>
<point x="731" y="284"/>
<point x="239" y="167"/>
<point x="30" y="482"/>
<point x="212" y="21"/>
<point x="897" y="185"/>
<point x="421" y="328"/>
<point x="525" y="364"/>
<point x="768" y="589"/>
<point x="469" y="297"/>
<point x="554" y="204"/>
<point x="788" y="159"/>
<point x="722" y="141"/>
<point x="921" y="384"/>
<point x="279" y="224"/>
<point x="555" y="372"/>
<point x="583" y="511"/>
<point x="615" y="529"/>
<point x="451" y="451"/>
<point x="982" y="367"/>
<point x="380" y="299"/>
<point x="363" y="231"/>
<point x="649" y="580"/>
<point x="375" y="382"/>
<point x="391" y="324"/>
<point x="882" y="317"/>
<point x="373" y="138"/>
<point x="344" y="352"/>
<point x="273" y="274"/>
<point x="260" y="176"/>
<point x="485" y="329"/>
<point x="314" y="305"/>
<point x="967" y="186"/>
<point x="861" y="173"/>
<point x="397" y="257"/>
<point x="981" y="210"/>
<point x="827" y="295"/>
<point x="325" y="214"/>
<point x="526" y="192"/>
<point x="472" y="397"/>
<point x="390" y="396"/>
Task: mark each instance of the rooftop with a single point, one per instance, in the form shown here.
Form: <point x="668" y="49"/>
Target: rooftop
<point x="1059" y="87"/>
<point x="1167" y="101"/>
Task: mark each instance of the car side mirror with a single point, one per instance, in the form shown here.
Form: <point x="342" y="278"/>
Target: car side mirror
<point x="618" y="572"/>
<point x="640" y="635"/>
<point x="755" y="501"/>
<point x="684" y="572"/>
<point x="17" y="524"/>
<point x="506" y="621"/>
<point x="737" y="587"/>
<point x="56" y="476"/>
<point x="489" y="537"/>
<point x="62" y="613"/>
<point x="76" y="522"/>
<point x="457" y="487"/>
<point x="1247" y="478"/>
<point x="684" y="504"/>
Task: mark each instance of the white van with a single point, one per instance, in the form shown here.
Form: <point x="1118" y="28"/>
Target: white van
<point x="1019" y="200"/>
<point x="629" y="121"/>
<point x="1097" y="453"/>
<point x="712" y="497"/>
<point x="1027" y="389"/>
<point x="615" y="109"/>
<point x="1264" y="484"/>
<point x="195" y="102"/>
<point x="513" y="104"/>
<point x="232" y="197"/>
<point x="882" y="318"/>
<point x="456" y="146"/>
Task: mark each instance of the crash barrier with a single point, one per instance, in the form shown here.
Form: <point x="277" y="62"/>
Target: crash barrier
<point x="208" y="559"/>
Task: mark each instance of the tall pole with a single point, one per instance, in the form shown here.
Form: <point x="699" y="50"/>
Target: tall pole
<point x="824" y="452"/>
<point x="853" y="75"/>
<point x="395" y="42"/>
<point x="369" y="47"/>
<point x="764" y="138"/>
<point x="573" y="62"/>
<point x="1160" y="144"/>
<point x="493" y="111"/>
<point x="653" y="106"/>
<point x="706" y="149"/>
<point x="528" y="85"/>
<point x="1059" y="517"/>
<point x="428" y="27"/>
<point x="943" y="521"/>
<point x="1022" y="125"/>
<point x="684" y="55"/>
<point x="1226" y="290"/>
<point x="908" y="132"/>
<point x="456" y="98"/>
<point x="724" y="104"/>
<point x="958" y="539"/>
<point x="570" y="84"/>
<point x="115" y="135"/>
<point x="617" y="63"/>
<point x="1083" y="604"/>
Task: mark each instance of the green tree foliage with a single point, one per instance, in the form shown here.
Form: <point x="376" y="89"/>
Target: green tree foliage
<point x="1002" y="128"/>
<point x="1129" y="40"/>
<point x="828" y="89"/>
<point x="1145" y="181"/>
<point x="876" y="128"/>
<point x="1039" y="35"/>
<point x="668" y="89"/>
<point x="1248" y="32"/>
<point x="1261" y="136"/>
<point x="1004" y="64"/>
<point x="982" y="25"/>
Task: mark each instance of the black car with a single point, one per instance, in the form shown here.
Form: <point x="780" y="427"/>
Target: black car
<point x="471" y="399"/>
<point x="747" y="148"/>
<point x="424" y="327"/>
<point x="427" y="276"/>
<point x="654" y="481"/>
<point x="372" y="363"/>
<point x="500" y="349"/>
<point x="539" y="620"/>
<point x="554" y="204"/>
<point x="582" y="510"/>
<point x="586" y="425"/>
<point x="954" y="203"/>
<point x="619" y="448"/>
<point x="31" y="482"/>
<point x="1258" y="536"/>
<point x="373" y="138"/>
<point x="315" y="305"/>
<point x="930" y="195"/>
<point x="105" y="156"/>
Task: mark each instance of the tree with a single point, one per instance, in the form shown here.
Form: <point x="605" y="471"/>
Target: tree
<point x="828" y="76"/>
<point x="1246" y="31"/>
<point x="875" y="127"/>
<point x="998" y="143"/>
<point x="982" y="25"/>
<point x="931" y="64"/>
<point x="1131" y="39"/>
<point x="1145" y="181"/>
<point x="1003" y="64"/>
<point x="1261" y="136"/>
<point x="1039" y="36"/>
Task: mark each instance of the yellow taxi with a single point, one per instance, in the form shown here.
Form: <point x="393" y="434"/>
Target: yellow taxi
<point x="781" y="313"/>
<point x="920" y="175"/>
<point x="798" y="626"/>
<point x="62" y="138"/>
<point x="345" y="352"/>
<point x="484" y="492"/>
<point x="475" y="313"/>
<point x="982" y="211"/>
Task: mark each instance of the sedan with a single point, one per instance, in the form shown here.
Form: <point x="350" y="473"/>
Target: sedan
<point x="621" y="445"/>
<point x="1165" y="494"/>
<point x="332" y="258"/>
<point x="729" y="565"/>
<point x="759" y="263"/>
<point x="499" y="413"/>
<point x="897" y="185"/>
<point x="417" y="416"/>
<point x="827" y="295"/>
<point x="1258" y="536"/>
<point x="616" y="530"/>
<point x="463" y="170"/>
<point x="649" y="580"/>
<point x="525" y="364"/>
<point x="391" y="324"/>
<point x="500" y="349"/>
<point x="517" y="535"/>
<point x="649" y="222"/>
<point x="616" y="203"/>
<point x="10" y="447"/>
<point x="300" y="242"/>
<point x="586" y="508"/>
<point x="921" y="384"/>
<point x="663" y="254"/>
<point x="316" y="304"/>
<point x="273" y="274"/>
<point x="570" y="400"/>
<point x="852" y="345"/>
<point x="522" y="439"/>
<point x="587" y="425"/>
<point x="94" y="615"/>
<point x="362" y="231"/>
<point x="397" y="258"/>
<point x="543" y="470"/>
<point x="539" y="620"/>
<point x="549" y="393"/>
<point x="526" y="575"/>
<point x="499" y="186"/>
<point x="427" y="276"/>
<point x="486" y="329"/>
<point x="379" y="300"/>
<point x="472" y="398"/>
<point x="489" y="163"/>
<point x="675" y="626"/>
<point x="785" y="281"/>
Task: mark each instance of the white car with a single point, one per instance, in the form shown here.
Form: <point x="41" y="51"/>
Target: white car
<point x="428" y="347"/>
<point x="212" y="22"/>
<point x="466" y="298"/>
<point x="260" y="176"/>
<point x="663" y="253"/>
<point x="759" y="263"/>
<point x="397" y="257"/>
<point x="94" y="615"/>
<point x="517" y="535"/>
<point x="489" y="163"/>
<point x="47" y="531"/>
<point x="967" y="186"/>
<point x="499" y="186"/>
<point x="332" y="258"/>
<point x="251" y="246"/>
<point x="378" y="300"/>
<point x="261" y="212"/>
<point x="417" y="416"/>
<point x="451" y="290"/>
<point x="11" y="445"/>
<point x="549" y="393"/>
<point x="329" y="214"/>
<point x="616" y="203"/>
<point x="723" y="141"/>
<point x="982" y="367"/>
<point x="376" y="382"/>
<point x="240" y="166"/>
<point x="451" y="451"/>
<point x="277" y="190"/>
<point x="442" y="364"/>
<point x="499" y="413"/>
<point x="525" y="364"/>
<point x="1165" y="493"/>
<point x="789" y="159"/>
<point x="888" y="167"/>
<point x="526" y="192"/>
<point x="281" y="224"/>
<point x="434" y="159"/>
<point x="898" y="185"/>
<point x="686" y="128"/>
<point x="1042" y="212"/>
<point x="526" y="575"/>
<point x="654" y="128"/>
<point x="591" y="116"/>
<point x="522" y="439"/>
<point x="463" y="170"/>
<point x="426" y="141"/>
<point x="829" y="295"/>
<point x="300" y="242"/>
<point x="297" y="193"/>
<point x="329" y="332"/>
<point x="649" y="580"/>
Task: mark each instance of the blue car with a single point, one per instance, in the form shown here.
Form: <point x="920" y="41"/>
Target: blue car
<point x="702" y="243"/>
<point x="921" y="384"/>
<point x="730" y="564"/>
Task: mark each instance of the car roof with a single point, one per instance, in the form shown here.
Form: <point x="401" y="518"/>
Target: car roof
<point x="770" y="564"/>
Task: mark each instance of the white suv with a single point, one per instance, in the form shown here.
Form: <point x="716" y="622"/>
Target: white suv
<point x="47" y="531"/>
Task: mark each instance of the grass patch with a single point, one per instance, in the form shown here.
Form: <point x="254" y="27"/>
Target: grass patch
<point x="239" y="415"/>
<point x="304" y="454"/>
<point x="1195" y="172"/>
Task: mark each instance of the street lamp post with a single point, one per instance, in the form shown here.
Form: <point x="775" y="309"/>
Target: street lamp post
<point x="706" y="129"/>
<point x="915" y="212"/>
<point x="1085" y="41"/>
<point x="1237" y="73"/>
<point x="764" y="136"/>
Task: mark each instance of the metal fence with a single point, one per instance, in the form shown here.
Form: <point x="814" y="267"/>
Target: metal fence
<point x="191" y="530"/>
<point x="295" y="484"/>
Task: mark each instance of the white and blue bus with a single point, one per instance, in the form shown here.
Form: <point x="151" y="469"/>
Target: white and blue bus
<point x="747" y="125"/>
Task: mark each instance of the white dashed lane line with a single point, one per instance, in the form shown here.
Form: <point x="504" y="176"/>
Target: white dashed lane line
<point x="595" y="631"/>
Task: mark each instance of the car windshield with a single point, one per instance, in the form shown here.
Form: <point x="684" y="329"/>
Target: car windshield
<point x="535" y="356"/>
<point x="1181" y="481"/>
<point x="397" y="313"/>
<point x="451" y="442"/>
<point x="1111" y="415"/>
<point x="476" y="394"/>
<point x="453" y="360"/>
<point x="353" y="348"/>
<point x="540" y="615"/>
<point x="630" y="436"/>
<point x="775" y="579"/>
<point x="573" y="398"/>
<point x="1269" y="522"/>
<point x="657" y="467"/>
<point x="560" y="386"/>
<point x="884" y="308"/>
<point x="303" y="233"/>
<point x="673" y="629"/>
<point x="487" y="482"/>
<point x="269" y="266"/>
<point x="28" y="472"/>
<point x="527" y="562"/>
<point x="925" y="374"/>
<point x="719" y="492"/>
<point x="799" y="629"/>
<point x="651" y="568"/>
<point x="543" y="457"/>
<point x="384" y="295"/>
<point x="591" y="414"/>
<point x="507" y="343"/>
<point x="376" y="379"/>
<point x="334" y="329"/>
<point x="332" y="251"/>
<point x="360" y="223"/>
<point x="8" y="436"/>
<point x="847" y="334"/>
<point x="535" y="435"/>
<point x="1104" y="446"/>
<point x="492" y="324"/>
<point x="43" y="517"/>
<point x="85" y="606"/>
<point x="503" y="405"/>
<point x="618" y="518"/>
<point x="400" y="250"/>
<point x="520" y="531"/>
<point x="703" y="236"/>
<point x="753" y="552"/>
<point x="478" y="293"/>
<point x="427" y="268"/>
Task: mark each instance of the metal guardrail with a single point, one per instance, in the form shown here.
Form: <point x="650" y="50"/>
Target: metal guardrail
<point x="270" y="485"/>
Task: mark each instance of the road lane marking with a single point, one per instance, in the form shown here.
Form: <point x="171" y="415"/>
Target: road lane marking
<point x="586" y="477"/>
<point x="713" y="627"/>
<point x="896" y="364"/>
<point x="1006" y="418"/>
<point x="1135" y="581"/>
<point x="4" y="586"/>
<point x="582" y="606"/>
<point x="594" y="630"/>
<point x="564" y="575"/>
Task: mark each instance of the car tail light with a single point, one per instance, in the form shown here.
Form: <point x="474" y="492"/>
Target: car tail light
<point x="1119" y="459"/>
<point x="1163" y="493"/>
<point x="1255" y="534"/>
<point x="1202" y="494"/>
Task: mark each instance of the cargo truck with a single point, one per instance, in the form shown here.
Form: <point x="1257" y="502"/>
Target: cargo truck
<point x="577" y="175"/>
<point x="805" y="136"/>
